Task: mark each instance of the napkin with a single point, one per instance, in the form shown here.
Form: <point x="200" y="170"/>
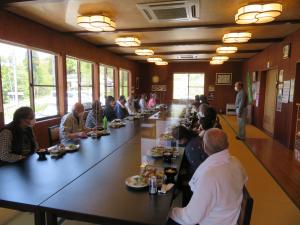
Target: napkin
<point x="165" y="188"/>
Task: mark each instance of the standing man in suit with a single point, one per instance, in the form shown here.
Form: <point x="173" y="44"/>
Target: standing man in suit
<point x="241" y="110"/>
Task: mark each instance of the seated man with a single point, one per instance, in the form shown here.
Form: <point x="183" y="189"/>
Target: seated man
<point x="72" y="124"/>
<point x="142" y="102"/>
<point x="95" y="116"/>
<point x="194" y="155"/>
<point x="130" y="105"/>
<point x="120" y="108"/>
<point x="109" y="109"/>
<point x="17" y="139"/>
<point x="217" y="186"/>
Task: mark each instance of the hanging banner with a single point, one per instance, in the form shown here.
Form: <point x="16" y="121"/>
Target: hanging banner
<point x="249" y="84"/>
<point x="257" y="93"/>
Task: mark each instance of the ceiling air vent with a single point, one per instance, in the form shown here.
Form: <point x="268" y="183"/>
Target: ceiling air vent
<point x="187" y="57"/>
<point x="170" y="11"/>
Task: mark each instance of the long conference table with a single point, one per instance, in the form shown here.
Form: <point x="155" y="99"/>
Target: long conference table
<point x="89" y="184"/>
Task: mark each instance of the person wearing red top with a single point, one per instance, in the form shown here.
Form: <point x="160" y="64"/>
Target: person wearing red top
<point x="152" y="101"/>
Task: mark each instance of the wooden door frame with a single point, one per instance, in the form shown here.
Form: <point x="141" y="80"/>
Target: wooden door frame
<point x="296" y="100"/>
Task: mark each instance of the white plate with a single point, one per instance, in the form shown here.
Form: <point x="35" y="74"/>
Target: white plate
<point x="76" y="147"/>
<point x="135" y="182"/>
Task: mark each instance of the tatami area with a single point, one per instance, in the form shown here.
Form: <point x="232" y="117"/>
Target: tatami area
<point x="272" y="206"/>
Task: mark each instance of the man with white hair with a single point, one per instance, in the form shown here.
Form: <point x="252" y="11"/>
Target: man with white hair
<point x="217" y="186"/>
<point x="72" y="124"/>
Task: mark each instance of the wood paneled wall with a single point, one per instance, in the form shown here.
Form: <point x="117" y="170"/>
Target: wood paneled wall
<point x="223" y="93"/>
<point x="284" y="120"/>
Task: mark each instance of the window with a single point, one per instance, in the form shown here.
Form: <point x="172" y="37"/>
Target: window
<point x="44" y="84"/>
<point x="106" y="82"/>
<point x="79" y="82"/>
<point x="186" y="86"/>
<point x="28" y="84"/>
<point x="86" y="83"/>
<point x="123" y="82"/>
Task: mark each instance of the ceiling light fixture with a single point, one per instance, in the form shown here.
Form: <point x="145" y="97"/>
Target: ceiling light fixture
<point x="144" y="52"/>
<point x="216" y="62"/>
<point x="237" y="37"/>
<point x="154" y="59"/>
<point x="128" y="41"/>
<point x="258" y="13"/>
<point x="220" y="58"/>
<point x="226" y="49"/>
<point x="96" y="23"/>
<point x="162" y="63"/>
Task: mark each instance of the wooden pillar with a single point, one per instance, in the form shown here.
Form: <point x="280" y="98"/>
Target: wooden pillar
<point x="116" y="78"/>
<point x="96" y="77"/>
<point x="1" y="102"/>
<point x="62" y="84"/>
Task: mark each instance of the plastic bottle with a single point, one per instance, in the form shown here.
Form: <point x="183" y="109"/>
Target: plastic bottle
<point x="105" y="123"/>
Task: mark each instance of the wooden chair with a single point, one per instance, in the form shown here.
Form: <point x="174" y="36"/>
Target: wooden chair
<point x="53" y="134"/>
<point x="246" y="209"/>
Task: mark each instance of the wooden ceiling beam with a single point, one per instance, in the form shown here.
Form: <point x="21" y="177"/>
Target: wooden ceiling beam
<point x="5" y="3"/>
<point x="204" y="42"/>
<point x="196" y="60"/>
<point x="192" y="52"/>
<point x="193" y="26"/>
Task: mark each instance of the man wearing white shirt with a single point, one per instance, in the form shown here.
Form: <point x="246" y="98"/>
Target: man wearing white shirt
<point x="217" y="186"/>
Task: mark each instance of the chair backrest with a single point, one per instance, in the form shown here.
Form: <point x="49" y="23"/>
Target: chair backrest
<point x="53" y="133"/>
<point x="246" y="209"/>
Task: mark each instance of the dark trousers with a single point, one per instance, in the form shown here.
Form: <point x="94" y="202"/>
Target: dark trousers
<point x="172" y="222"/>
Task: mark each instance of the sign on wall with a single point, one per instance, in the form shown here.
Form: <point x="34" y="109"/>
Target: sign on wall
<point x="223" y="78"/>
<point x="292" y="90"/>
<point x="286" y="91"/>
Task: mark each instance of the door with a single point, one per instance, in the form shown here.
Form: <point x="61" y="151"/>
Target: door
<point x="270" y="101"/>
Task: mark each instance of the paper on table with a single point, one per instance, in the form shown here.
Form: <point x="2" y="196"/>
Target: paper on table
<point x="146" y="125"/>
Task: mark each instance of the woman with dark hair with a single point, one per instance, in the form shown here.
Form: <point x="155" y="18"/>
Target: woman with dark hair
<point x="203" y="99"/>
<point x="209" y="119"/>
<point x="120" y="108"/>
<point x="194" y="155"/>
<point x="109" y="112"/>
<point x="95" y="116"/>
<point x="17" y="139"/>
<point x="196" y="103"/>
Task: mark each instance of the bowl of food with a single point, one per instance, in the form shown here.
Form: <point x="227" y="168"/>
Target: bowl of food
<point x="42" y="154"/>
<point x="156" y="152"/>
<point x="167" y="156"/>
<point x="170" y="173"/>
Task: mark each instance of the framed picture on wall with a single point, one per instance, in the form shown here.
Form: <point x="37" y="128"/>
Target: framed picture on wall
<point x="286" y="50"/>
<point x="223" y="78"/>
<point x="159" y="88"/>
